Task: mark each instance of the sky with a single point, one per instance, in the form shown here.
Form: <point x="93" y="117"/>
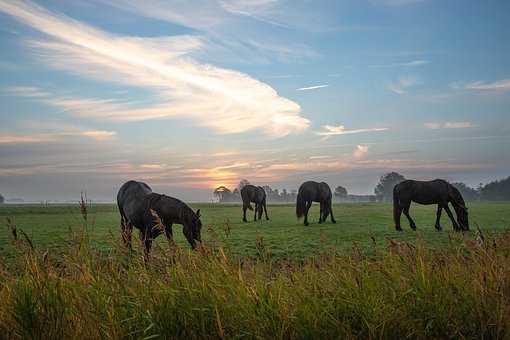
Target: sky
<point x="190" y="95"/>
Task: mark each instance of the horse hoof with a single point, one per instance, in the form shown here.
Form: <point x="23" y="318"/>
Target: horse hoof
<point x="399" y="229"/>
<point x="334" y="222"/>
<point x="245" y="221"/>
<point x="306" y="224"/>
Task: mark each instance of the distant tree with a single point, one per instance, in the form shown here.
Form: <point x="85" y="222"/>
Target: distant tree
<point x="497" y="190"/>
<point x="467" y="192"/>
<point x="2" y="199"/>
<point x="384" y="189"/>
<point x="340" y="192"/>
<point x="284" y="195"/>
<point x="242" y="183"/>
<point x="223" y="193"/>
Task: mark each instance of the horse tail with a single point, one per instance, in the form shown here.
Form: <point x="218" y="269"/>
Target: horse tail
<point x="300" y="206"/>
<point x="396" y="204"/>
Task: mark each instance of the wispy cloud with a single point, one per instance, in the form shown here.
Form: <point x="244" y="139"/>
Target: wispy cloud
<point x="449" y="125"/>
<point x="312" y="87"/>
<point x="360" y="151"/>
<point x="500" y="86"/>
<point x="402" y="64"/>
<point x="224" y="100"/>
<point x="402" y="85"/>
<point x="332" y="130"/>
<point x="221" y="23"/>
<point x="98" y="135"/>
<point x="319" y="157"/>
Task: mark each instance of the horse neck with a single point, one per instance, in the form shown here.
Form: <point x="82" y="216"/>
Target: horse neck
<point x="186" y="214"/>
<point x="456" y="198"/>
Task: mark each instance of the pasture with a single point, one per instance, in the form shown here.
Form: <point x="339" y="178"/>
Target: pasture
<point x="283" y="236"/>
<point x="355" y="279"/>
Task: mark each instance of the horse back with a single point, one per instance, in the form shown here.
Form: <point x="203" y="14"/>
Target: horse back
<point x="251" y="193"/>
<point x="131" y="199"/>
<point x="423" y="192"/>
<point x="314" y="191"/>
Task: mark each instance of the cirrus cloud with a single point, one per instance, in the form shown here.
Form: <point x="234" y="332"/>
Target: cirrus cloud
<point x="224" y="100"/>
<point x="448" y="125"/>
<point x="332" y="130"/>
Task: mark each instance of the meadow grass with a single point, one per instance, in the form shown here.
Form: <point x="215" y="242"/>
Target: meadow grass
<point x="284" y="236"/>
<point x="390" y="289"/>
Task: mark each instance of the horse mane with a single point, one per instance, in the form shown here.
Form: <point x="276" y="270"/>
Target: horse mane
<point x="456" y="197"/>
<point x="152" y="199"/>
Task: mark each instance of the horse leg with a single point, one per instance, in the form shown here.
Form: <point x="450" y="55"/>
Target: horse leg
<point x="308" y="205"/>
<point x="146" y="240"/>
<point x="260" y="211"/>
<point x="244" y="213"/>
<point x="450" y="215"/>
<point x="406" y="212"/>
<point x="331" y="212"/>
<point x="321" y="214"/>
<point x="438" y="217"/>
<point x="265" y="210"/>
<point x="255" y="212"/>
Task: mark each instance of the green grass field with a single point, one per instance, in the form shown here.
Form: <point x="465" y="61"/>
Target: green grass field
<point x="263" y="280"/>
<point x="283" y="235"/>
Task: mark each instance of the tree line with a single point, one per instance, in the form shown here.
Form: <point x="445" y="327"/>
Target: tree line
<point x="498" y="190"/>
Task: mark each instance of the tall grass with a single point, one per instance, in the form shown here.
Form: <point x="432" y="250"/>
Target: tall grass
<point x="398" y="291"/>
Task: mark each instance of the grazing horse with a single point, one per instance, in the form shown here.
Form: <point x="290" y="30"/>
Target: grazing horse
<point x="314" y="192"/>
<point x="438" y="192"/>
<point x="257" y="195"/>
<point x="154" y="214"/>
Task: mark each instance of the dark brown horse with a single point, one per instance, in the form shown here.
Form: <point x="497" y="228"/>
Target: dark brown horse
<point x="438" y="192"/>
<point x="314" y="192"/>
<point x="154" y="214"/>
<point x="257" y="195"/>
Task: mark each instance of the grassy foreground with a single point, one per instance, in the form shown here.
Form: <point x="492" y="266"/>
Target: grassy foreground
<point x="400" y="291"/>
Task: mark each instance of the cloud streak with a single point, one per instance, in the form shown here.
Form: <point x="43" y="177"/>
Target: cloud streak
<point x="224" y="100"/>
<point x="98" y="135"/>
<point x="332" y="130"/>
<point x="312" y="87"/>
<point x="448" y="125"/>
<point x="404" y="64"/>
<point x="501" y="85"/>
<point x="402" y="85"/>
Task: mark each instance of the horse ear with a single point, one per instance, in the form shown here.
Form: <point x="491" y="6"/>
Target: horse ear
<point x="198" y="212"/>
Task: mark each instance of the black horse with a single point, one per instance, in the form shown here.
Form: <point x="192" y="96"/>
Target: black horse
<point x="438" y="192"/>
<point x="314" y="192"/>
<point x="257" y="195"/>
<point x="154" y="213"/>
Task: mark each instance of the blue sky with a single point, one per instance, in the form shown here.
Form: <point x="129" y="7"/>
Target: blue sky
<point x="188" y="95"/>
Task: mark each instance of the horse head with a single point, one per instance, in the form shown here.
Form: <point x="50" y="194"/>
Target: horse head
<point x="192" y="228"/>
<point x="462" y="216"/>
